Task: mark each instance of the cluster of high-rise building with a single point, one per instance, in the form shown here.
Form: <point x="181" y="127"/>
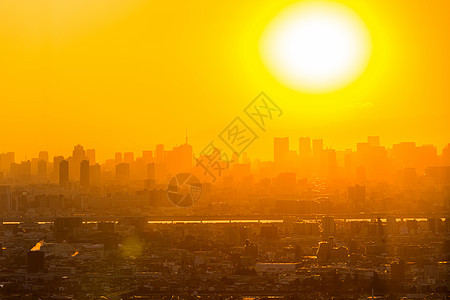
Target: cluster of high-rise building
<point x="403" y="163"/>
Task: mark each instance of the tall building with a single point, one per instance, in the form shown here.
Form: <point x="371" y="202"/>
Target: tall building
<point x="118" y="157"/>
<point x="317" y="149"/>
<point x="374" y="141"/>
<point x="42" y="168"/>
<point x="304" y="147"/>
<point x="159" y="154"/>
<point x="78" y="152"/>
<point x="84" y="174"/>
<point x="56" y="162"/>
<point x="147" y="156"/>
<point x="280" y="151"/>
<point x="90" y="153"/>
<point x="43" y="155"/>
<point x="5" y="199"/>
<point x="94" y="174"/>
<point x="123" y="172"/>
<point x="74" y="162"/>
<point x="6" y="159"/>
<point x="128" y="157"/>
<point x="357" y="196"/>
<point x="64" y="173"/>
<point x="328" y="226"/>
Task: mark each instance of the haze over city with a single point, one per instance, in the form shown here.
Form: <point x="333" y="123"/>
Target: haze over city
<point x="289" y="149"/>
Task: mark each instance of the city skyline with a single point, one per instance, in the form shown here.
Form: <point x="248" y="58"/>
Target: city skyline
<point x="294" y="144"/>
<point x="96" y="63"/>
<point x="217" y="150"/>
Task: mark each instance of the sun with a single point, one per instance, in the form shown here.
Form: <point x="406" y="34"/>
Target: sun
<point x="316" y="46"/>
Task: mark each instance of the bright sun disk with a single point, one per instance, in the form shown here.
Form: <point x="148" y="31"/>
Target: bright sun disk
<point x="316" y="47"/>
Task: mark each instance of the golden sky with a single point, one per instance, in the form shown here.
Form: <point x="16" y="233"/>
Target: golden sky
<point x="125" y="75"/>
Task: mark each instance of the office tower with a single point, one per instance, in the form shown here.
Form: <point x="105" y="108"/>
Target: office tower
<point x="23" y="169"/>
<point x="90" y="153"/>
<point x="68" y="229"/>
<point x="328" y="226"/>
<point x="404" y="154"/>
<point x="140" y="169"/>
<point x="373" y="141"/>
<point x="147" y="156"/>
<point x="280" y="151"/>
<point x="35" y="261"/>
<point x="357" y="196"/>
<point x="446" y="155"/>
<point x="56" y="162"/>
<point x="151" y="171"/>
<point x="324" y="252"/>
<point x="64" y="173"/>
<point x="6" y="159"/>
<point x="128" y="157"/>
<point x="42" y="169"/>
<point x="74" y="162"/>
<point x="5" y="198"/>
<point x="123" y="172"/>
<point x="317" y="147"/>
<point x="159" y="154"/>
<point x="180" y="158"/>
<point x="304" y="147"/>
<point x="43" y="155"/>
<point x="94" y="174"/>
<point x="84" y="174"/>
<point x="78" y="153"/>
<point x="34" y="166"/>
<point x="118" y="157"/>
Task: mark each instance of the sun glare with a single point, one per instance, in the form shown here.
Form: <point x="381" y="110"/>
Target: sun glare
<point x="316" y="47"/>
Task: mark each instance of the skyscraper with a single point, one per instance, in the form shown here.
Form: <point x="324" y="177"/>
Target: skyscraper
<point x="280" y="150"/>
<point x="148" y="156"/>
<point x="90" y="153"/>
<point x="43" y="155"/>
<point x="118" y="157"/>
<point x="94" y="174"/>
<point x="317" y="148"/>
<point x="56" y="162"/>
<point x="128" y="157"/>
<point x="123" y="172"/>
<point x="304" y="147"/>
<point x="84" y="174"/>
<point x="374" y="141"/>
<point x="64" y="173"/>
<point x="159" y="155"/>
<point x="42" y="169"/>
<point x="5" y="198"/>
<point x="357" y="196"/>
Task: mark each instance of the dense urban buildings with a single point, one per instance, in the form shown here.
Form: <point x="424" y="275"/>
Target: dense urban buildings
<point x="314" y="223"/>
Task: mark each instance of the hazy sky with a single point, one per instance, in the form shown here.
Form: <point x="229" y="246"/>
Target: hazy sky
<point x="124" y="75"/>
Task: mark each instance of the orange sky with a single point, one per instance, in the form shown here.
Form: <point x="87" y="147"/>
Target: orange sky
<point x="124" y="75"/>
